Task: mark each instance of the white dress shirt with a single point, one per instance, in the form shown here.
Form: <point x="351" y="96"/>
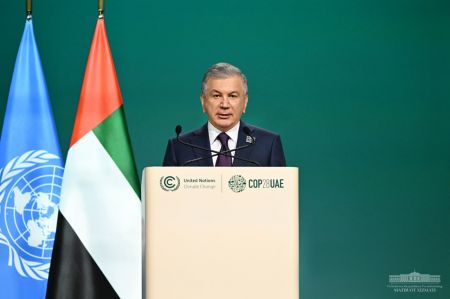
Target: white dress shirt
<point x="215" y="144"/>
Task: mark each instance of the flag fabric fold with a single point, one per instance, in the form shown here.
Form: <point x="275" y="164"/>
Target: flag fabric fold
<point x="98" y="248"/>
<point x="31" y="170"/>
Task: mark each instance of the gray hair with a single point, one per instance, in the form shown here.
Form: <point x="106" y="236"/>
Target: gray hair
<point x="223" y="70"/>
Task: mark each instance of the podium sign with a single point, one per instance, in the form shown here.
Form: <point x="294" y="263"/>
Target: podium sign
<point x="221" y="233"/>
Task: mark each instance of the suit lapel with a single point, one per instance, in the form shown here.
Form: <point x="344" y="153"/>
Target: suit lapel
<point x="242" y="140"/>
<point x="201" y="138"/>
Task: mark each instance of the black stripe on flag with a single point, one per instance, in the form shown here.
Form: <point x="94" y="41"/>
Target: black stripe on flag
<point x="73" y="272"/>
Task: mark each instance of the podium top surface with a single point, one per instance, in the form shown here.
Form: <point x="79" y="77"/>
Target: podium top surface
<point x="220" y="168"/>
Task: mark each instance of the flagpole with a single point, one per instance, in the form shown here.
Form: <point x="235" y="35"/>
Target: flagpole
<point x="28" y="6"/>
<point x="101" y="8"/>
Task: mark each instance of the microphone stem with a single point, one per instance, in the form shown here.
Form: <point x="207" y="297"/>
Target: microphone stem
<point x="216" y="153"/>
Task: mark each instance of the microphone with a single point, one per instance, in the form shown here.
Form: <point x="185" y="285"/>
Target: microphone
<point x="227" y="153"/>
<point x="178" y="130"/>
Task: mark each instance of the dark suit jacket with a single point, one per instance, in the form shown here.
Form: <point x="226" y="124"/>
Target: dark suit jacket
<point x="267" y="149"/>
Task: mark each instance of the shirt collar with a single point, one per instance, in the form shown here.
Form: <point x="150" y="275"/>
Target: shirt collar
<point x="214" y="132"/>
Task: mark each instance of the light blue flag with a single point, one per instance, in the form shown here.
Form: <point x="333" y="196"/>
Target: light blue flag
<point x="31" y="170"/>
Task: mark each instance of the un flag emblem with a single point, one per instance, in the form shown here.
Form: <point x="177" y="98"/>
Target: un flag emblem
<point x="30" y="187"/>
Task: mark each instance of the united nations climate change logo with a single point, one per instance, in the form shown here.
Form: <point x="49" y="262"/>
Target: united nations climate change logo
<point x="237" y="183"/>
<point x="169" y="183"/>
<point x="30" y="187"/>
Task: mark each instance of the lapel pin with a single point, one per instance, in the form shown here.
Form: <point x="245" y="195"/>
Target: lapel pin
<point x="249" y="139"/>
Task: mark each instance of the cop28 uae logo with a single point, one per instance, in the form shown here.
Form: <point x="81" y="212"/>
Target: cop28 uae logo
<point x="169" y="183"/>
<point x="237" y="183"/>
<point x="30" y="187"/>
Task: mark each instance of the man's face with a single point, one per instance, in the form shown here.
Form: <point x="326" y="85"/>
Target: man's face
<point x="224" y="101"/>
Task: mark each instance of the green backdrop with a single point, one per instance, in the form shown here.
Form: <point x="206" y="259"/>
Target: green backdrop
<point x="359" y="91"/>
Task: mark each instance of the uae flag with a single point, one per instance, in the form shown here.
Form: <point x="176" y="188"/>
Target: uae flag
<point x="97" y="251"/>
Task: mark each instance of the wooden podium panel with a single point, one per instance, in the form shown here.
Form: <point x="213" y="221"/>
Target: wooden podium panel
<point x="221" y="233"/>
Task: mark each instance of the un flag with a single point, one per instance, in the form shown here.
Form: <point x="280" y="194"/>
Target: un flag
<point x="31" y="172"/>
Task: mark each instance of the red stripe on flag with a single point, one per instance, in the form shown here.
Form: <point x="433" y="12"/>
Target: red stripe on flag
<point x="100" y="94"/>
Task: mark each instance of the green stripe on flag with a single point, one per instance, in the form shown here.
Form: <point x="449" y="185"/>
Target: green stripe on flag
<point x="113" y="135"/>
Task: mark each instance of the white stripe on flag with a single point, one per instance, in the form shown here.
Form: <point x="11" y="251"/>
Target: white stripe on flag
<point x="105" y="212"/>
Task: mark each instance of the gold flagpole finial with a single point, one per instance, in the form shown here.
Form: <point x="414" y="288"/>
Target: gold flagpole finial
<point x="28" y="9"/>
<point x="101" y="8"/>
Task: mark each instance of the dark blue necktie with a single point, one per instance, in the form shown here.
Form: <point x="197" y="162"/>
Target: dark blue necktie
<point x="223" y="160"/>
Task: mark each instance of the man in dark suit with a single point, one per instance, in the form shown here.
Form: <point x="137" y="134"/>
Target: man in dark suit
<point x="224" y="99"/>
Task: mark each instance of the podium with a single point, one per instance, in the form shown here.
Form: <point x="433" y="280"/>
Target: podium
<point x="221" y="233"/>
